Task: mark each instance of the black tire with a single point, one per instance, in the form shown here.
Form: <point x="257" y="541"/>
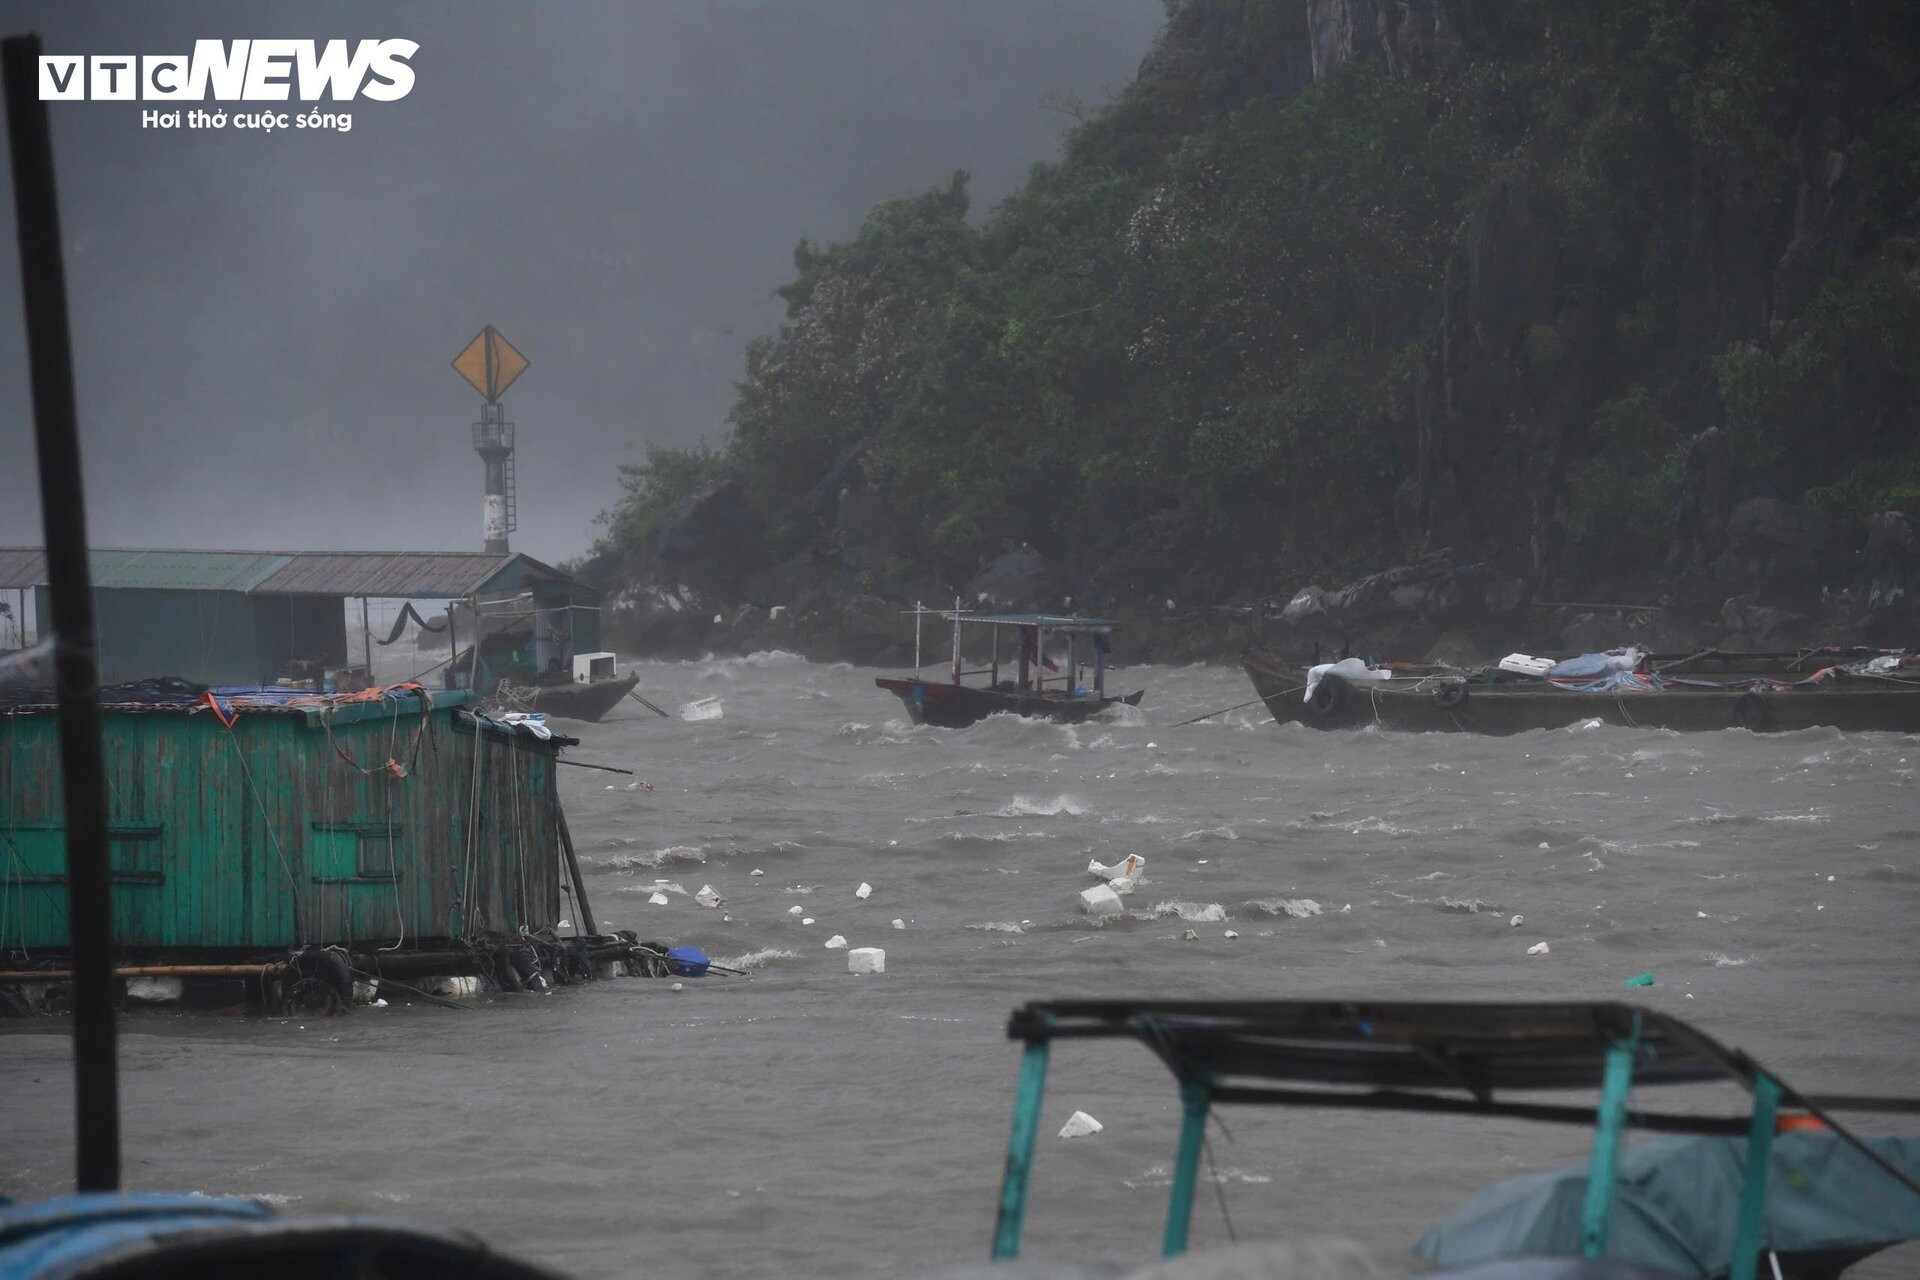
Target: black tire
<point x="317" y="982"/>
<point x="1327" y="698"/>
<point x="1451" y="696"/>
<point x="1753" y="711"/>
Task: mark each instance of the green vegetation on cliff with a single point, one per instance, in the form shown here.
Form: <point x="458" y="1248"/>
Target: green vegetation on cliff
<point x="1334" y="281"/>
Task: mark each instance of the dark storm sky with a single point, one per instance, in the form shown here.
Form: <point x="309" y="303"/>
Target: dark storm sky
<point x="263" y="323"/>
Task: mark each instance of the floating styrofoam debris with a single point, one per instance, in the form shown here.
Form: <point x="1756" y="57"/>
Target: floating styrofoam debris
<point x="1516" y="922"/>
<point x="708" y="896"/>
<point x="794" y="910"/>
<point x="566" y="924"/>
<point x="1230" y="934"/>
<point x="155" y="990"/>
<point x="899" y="924"/>
<point x="658" y="899"/>
<point x="866" y="960"/>
<point x="445" y="985"/>
<point x="703" y="709"/>
<point x="1100" y="902"/>
<point x="837" y="942"/>
<point x="676" y="987"/>
<point x="1191" y="935"/>
<point x="1121" y="884"/>
<point x="1538" y="949"/>
<point x="1131" y="865"/>
<point x="863" y="890"/>
<point x="806" y="919"/>
<point x="1545" y="845"/>
<point x="1080" y="1125"/>
<point x="756" y="872"/>
<point x="1699" y="915"/>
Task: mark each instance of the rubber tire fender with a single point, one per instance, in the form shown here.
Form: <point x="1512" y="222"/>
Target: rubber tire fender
<point x="1753" y="712"/>
<point x="1328" y="697"/>
<point x="1450" y="696"/>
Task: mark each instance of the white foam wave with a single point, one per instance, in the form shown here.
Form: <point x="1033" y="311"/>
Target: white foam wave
<point x="1722" y="961"/>
<point x="755" y="959"/>
<point x="1298" y="908"/>
<point x="1002" y="926"/>
<point x="1191" y="912"/>
<point x="1023" y="807"/>
<point x="631" y="862"/>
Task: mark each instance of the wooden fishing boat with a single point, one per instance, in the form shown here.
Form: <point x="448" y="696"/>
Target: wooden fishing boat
<point x="1788" y="1183"/>
<point x="1849" y="696"/>
<point x="951" y="704"/>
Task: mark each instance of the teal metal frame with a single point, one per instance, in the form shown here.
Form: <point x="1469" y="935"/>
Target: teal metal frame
<point x="1026" y="1127"/>
<point x="1615" y="1086"/>
<point x="1753" y="1186"/>
<point x="1196" y="1095"/>
<point x="1196" y="1099"/>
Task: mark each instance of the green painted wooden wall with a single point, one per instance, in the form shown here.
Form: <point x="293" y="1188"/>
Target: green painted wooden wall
<point x="289" y="828"/>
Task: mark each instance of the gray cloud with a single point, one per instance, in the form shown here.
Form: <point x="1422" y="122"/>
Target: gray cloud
<point x="263" y="324"/>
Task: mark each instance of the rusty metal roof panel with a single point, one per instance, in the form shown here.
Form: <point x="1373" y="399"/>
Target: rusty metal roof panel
<point x="392" y="574"/>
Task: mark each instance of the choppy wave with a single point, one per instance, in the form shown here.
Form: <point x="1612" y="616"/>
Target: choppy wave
<point x="1298" y="908"/>
<point x="1023" y="807"/>
<point x="755" y="959"/>
<point x="1191" y="912"/>
<point x="627" y="863"/>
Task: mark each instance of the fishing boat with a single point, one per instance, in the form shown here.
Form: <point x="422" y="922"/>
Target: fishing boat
<point x="1031" y="692"/>
<point x="1785" y="1181"/>
<point x="1875" y="691"/>
<point x="588" y="692"/>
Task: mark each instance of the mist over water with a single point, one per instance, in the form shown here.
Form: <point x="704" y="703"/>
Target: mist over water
<point x="807" y="1122"/>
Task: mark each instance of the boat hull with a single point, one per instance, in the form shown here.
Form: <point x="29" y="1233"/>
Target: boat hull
<point x="955" y="706"/>
<point x="1852" y="705"/>
<point x="578" y="701"/>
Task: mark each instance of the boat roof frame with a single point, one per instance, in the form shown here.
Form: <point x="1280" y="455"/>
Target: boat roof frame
<point x="1422" y="1056"/>
<point x="1065" y="623"/>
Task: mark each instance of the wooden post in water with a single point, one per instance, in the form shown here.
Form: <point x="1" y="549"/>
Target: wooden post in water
<point x="573" y="870"/>
<point x="956" y="639"/>
<point x="63" y="514"/>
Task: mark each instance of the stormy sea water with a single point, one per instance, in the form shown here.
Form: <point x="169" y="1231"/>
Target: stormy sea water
<point x="804" y="1121"/>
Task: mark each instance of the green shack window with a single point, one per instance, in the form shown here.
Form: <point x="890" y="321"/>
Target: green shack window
<point x="355" y="852"/>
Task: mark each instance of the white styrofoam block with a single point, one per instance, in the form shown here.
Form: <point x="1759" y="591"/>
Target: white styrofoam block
<point x="155" y="990"/>
<point x="1121" y="884"/>
<point x="899" y="924"/>
<point x="863" y="890"/>
<point x="756" y="872"/>
<point x="708" y="896"/>
<point x="806" y="919"/>
<point x="1538" y="949"/>
<point x="838" y="942"/>
<point x="866" y="960"/>
<point x="1100" y="902"/>
<point x="658" y="899"/>
<point x="1516" y="922"/>
<point x="457" y="986"/>
<point x="1080" y="1125"/>
<point x="1230" y="934"/>
<point x="1130" y="866"/>
<point x="793" y="911"/>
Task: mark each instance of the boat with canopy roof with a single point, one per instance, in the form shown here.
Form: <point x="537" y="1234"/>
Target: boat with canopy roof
<point x="1038" y="686"/>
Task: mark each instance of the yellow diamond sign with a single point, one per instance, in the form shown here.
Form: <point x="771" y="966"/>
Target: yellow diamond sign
<point x="490" y="363"/>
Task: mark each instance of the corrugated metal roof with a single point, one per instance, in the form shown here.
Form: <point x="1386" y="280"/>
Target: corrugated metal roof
<point x="391" y="574"/>
<point x="128" y="568"/>
<point x="386" y="574"/>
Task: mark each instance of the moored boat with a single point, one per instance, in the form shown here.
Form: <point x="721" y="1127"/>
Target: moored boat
<point x="1871" y="693"/>
<point x="951" y="704"/>
<point x="1789" y="1184"/>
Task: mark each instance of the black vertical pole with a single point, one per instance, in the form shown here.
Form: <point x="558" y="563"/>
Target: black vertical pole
<point x="43" y="290"/>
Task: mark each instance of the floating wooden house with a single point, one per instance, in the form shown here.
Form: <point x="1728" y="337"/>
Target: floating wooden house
<point x="250" y="617"/>
<point x="250" y="825"/>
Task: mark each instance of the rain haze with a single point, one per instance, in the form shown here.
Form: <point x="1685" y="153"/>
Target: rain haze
<point x="263" y="325"/>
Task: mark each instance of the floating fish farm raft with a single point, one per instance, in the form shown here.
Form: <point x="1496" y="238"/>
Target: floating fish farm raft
<point x="306" y="846"/>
